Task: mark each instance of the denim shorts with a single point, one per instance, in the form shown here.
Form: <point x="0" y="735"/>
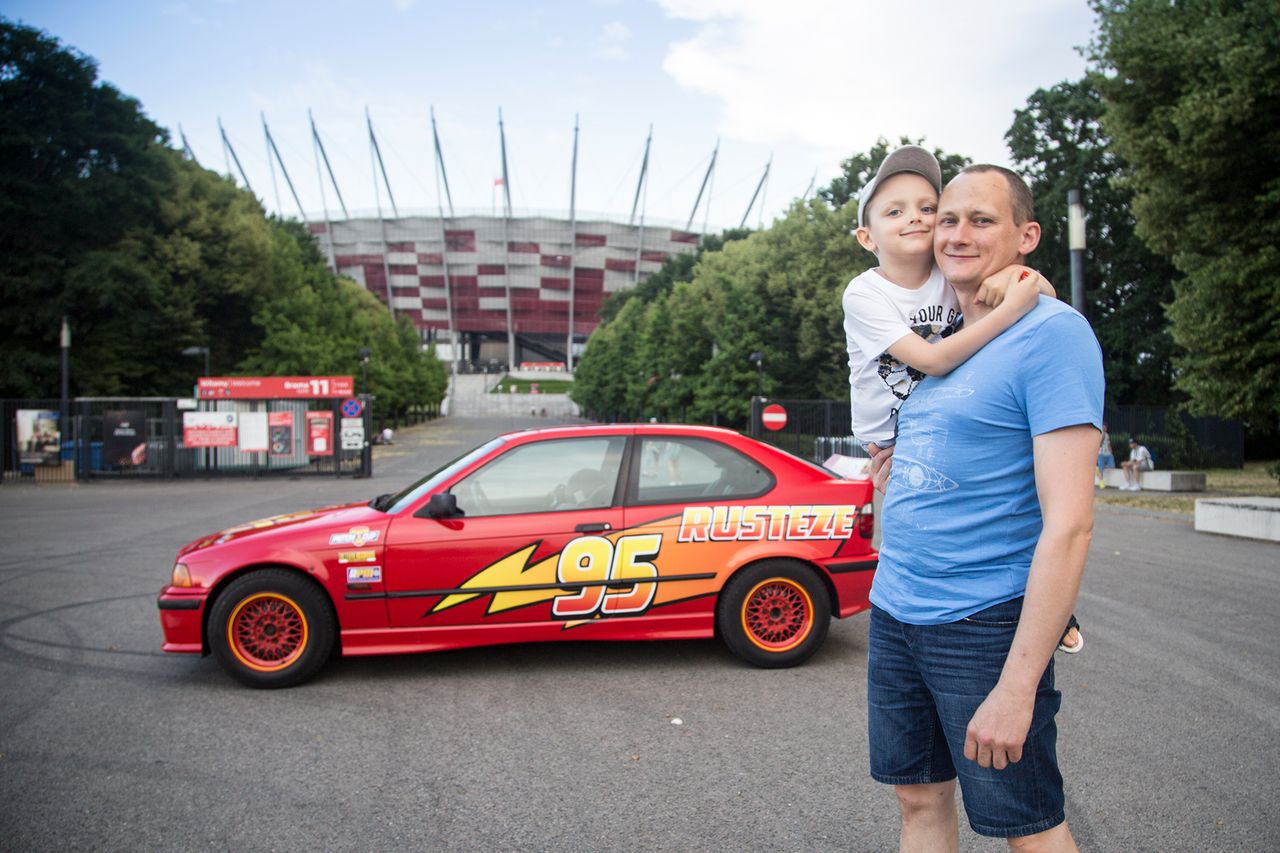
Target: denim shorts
<point x="924" y="683"/>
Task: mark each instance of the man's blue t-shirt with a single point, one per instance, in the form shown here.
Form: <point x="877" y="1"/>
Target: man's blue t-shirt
<point x="961" y="515"/>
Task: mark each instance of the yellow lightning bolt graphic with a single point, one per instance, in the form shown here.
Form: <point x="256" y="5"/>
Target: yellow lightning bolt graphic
<point x="511" y="570"/>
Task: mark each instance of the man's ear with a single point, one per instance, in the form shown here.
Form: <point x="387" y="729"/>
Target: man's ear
<point x="1029" y="238"/>
<point x="865" y="241"/>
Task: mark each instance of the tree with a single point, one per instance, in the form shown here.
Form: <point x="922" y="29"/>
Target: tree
<point x="861" y="167"/>
<point x="80" y="165"/>
<point x="315" y="323"/>
<point x="148" y="253"/>
<point x="1192" y="95"/>
<point x="676" y="268"/>
<point x="1058" y="145"/>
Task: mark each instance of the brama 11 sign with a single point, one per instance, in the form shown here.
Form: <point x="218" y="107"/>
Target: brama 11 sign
<point x="274" y="387"/>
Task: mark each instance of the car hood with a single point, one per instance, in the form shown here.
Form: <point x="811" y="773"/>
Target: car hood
<point x="304" y="521"/>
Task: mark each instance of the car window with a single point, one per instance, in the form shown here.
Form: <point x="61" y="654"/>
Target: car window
<point x="545" y="476"/>
<point x="681" y="470"/>
<point x="396" y="503"/>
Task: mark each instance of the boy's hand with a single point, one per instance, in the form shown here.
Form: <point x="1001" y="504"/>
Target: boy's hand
<point x="1021" y="285"/>
<point x="881" y="464"/>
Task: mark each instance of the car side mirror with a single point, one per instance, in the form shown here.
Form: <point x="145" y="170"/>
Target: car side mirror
<point x="441" y="505"/>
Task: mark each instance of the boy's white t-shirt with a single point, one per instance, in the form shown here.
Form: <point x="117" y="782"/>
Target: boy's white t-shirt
<point x="877" y="314"/>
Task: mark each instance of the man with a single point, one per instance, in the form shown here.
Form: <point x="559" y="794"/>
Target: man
<point x="1139" y="461"/>
<point x="987" y="523"/>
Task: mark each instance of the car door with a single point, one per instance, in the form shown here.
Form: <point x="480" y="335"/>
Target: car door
<point x="687" y="490"/>
<point x="495" y="563"/>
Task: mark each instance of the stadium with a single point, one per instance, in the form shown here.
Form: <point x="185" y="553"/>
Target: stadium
<point x="514" y="290"/>
<point x="496" y="290"/>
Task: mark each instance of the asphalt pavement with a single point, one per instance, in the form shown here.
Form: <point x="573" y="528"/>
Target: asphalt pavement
<point x="1169" y="731"/>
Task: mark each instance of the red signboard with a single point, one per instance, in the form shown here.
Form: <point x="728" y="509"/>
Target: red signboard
<point x="320" y="433"/>
<point x="274" y="387"/>
<point x="774" y="417"/>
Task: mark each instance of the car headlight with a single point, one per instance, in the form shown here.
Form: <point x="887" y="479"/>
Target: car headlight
<point x="181" y="576"/>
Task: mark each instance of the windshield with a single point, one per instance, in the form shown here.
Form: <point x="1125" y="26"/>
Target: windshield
<point x="397" y="502"/>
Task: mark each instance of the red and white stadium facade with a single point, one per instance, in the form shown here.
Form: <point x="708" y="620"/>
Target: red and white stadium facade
<point x="475" y="266"/>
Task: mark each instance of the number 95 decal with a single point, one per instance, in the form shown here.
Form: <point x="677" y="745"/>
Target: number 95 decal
<point x="600" y="568"/>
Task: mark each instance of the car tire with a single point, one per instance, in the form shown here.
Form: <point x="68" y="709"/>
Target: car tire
<point x="271" y="628"/>
<point x="774" y="614"/>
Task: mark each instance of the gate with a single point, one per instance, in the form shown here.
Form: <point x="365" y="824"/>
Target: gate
<point x="129" y="438"/>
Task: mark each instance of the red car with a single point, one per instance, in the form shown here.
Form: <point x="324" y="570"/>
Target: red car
<point x="625" y="532"/>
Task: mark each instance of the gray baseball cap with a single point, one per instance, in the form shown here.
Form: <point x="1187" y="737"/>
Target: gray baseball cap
<point x="908" y="158"/>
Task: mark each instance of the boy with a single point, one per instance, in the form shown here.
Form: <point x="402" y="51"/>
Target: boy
<point x="901" y="318"/>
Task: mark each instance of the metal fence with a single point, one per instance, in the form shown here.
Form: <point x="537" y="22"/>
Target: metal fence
<point x="126" y="438"/>
<point x="1176" y="439"/>
<point x="815" y="429"/>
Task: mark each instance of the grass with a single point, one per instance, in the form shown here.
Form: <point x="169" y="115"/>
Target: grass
<point x="524" y="386"/>
<point x="1253" y="480"/>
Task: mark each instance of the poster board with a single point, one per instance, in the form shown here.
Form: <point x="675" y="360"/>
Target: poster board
<point x="124" y="438"/>
<point x="209" y="429"/>
<point x="280" y="425"/>
<point x="253" y="437"/>
<point x="38" y="438"/>
<point x="319" y="433"/>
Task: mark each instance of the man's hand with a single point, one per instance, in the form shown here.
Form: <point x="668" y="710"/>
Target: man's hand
<point x="1015" y="282"/>
<point x="881" y="464"/>
<point x="999" y="728"/>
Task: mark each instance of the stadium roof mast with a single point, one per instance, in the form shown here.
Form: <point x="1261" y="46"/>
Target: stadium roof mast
<point x="273" y="151"/>
<point x="317" y="148"/>
<point x="706" y="179"/>
<point x="506" y="242"/>
<point x="573" y="241"/>
<point x="764" y="179"/>
<point x="275" y="188"/>
<point x="642" y="186"/>
<point x="186" y="146"/>
<point x="441" y="174"/>
<point x="227" y="150"/>
<point x="375" y="161"/>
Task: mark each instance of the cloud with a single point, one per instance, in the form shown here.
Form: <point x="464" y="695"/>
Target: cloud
<point x="833" y="75"/>
<point x="612" y="41"/>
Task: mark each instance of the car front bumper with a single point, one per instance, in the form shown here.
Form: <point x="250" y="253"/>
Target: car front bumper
<point x="182" y="618"/>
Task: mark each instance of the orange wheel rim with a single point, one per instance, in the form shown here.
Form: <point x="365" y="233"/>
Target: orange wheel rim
<point x="777" y="615"/>
<point x="267" y="632"/>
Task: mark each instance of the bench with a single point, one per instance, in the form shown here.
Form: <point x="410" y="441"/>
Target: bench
<point x="1254" y="518"/>
<point x="1159" y="481"/>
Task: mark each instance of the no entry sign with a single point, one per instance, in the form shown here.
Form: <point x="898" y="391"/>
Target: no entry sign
<point x="774" y="417"/>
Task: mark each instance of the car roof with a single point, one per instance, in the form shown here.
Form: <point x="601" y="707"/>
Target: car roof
<point x="625" y="429"/>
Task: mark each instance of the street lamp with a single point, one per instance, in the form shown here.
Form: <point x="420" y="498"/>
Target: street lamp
<point x="199" y="351"/>
<point x="1075" y="242"/>
<point x="364" y="353"/>
<point x="64" y="412"/>
<point x="757" y="358"/>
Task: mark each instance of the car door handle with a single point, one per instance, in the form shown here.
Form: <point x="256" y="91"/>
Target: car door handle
<point x="592" y="527"/>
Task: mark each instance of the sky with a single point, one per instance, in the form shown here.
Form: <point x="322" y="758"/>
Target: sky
<point x="798" y="84"/>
